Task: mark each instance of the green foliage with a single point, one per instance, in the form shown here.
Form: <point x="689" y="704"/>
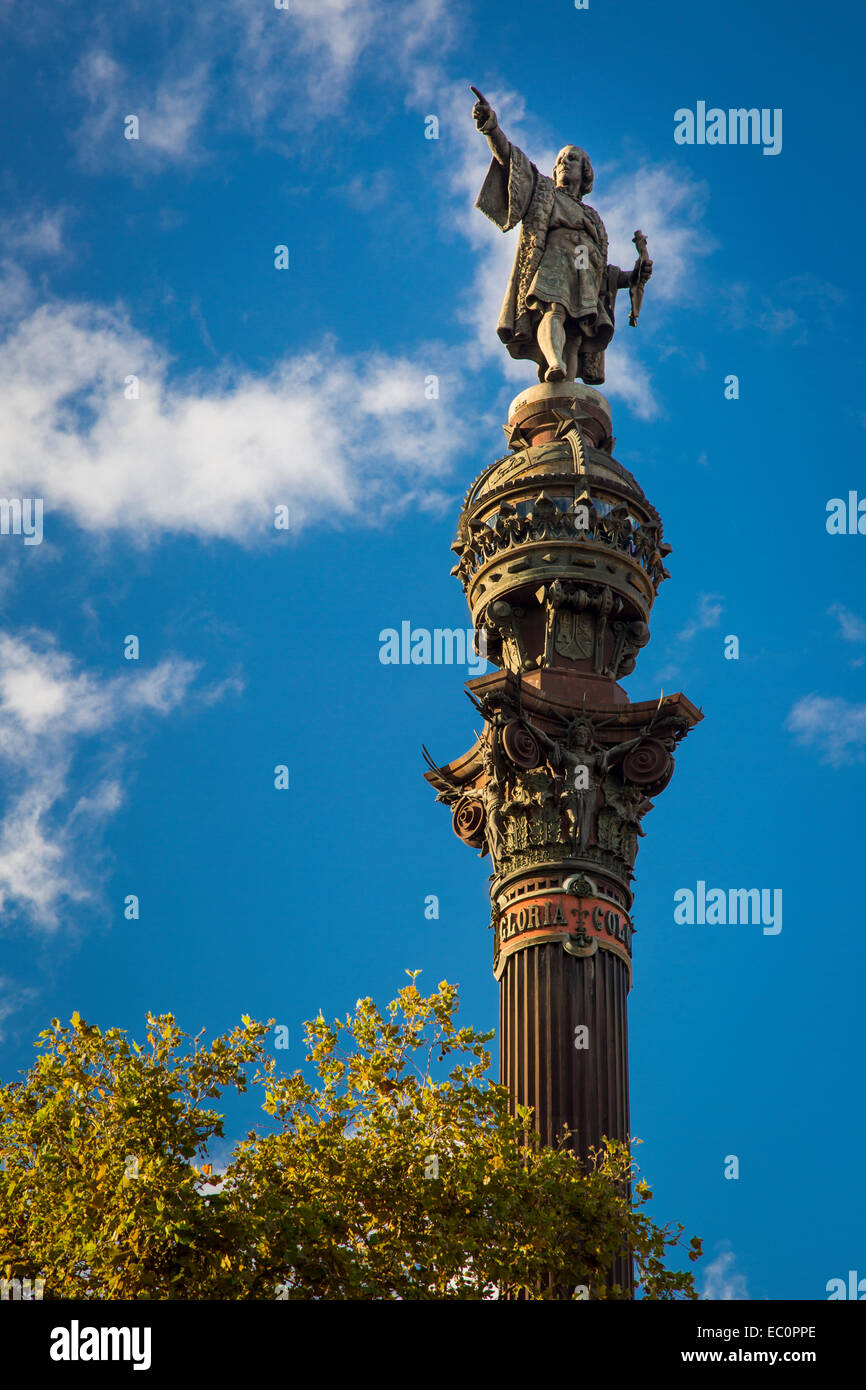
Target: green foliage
<point x="397" y="1173"/>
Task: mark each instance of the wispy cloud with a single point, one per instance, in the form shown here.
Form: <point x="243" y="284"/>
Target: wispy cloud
<point x="792" y="306"/>
<point x="33" y="233"/>
<point x="323" y="43"/>
<point x="706" y="615"/>
<point x="851" y="629"/>
<point x="290" y="68"/>
<point x="722" y="1281"/>
<point x="213" y="456"/>
<point x="12" y="998"/>
<point x="369" y="191"/>
<point x="709" y="611"/>
<point x="836" y="728"/>
<point x="169" y="114"/>
<point x="54" y="717"/>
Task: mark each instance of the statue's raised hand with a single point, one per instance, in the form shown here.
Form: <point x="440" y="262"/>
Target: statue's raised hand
<point x="482" y="111"/>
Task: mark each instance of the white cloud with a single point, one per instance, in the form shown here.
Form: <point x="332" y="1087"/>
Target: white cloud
<point x="799" y="302"/>
<point x="667" y="673"/>
<point x="212" y="456"/>
<point x="629" y="379"/>
<point x="851" y="628"/>
<point x="17" y="293"/>
<point x="833" y="726"/>
<point x="299" y="64"/>
<point x="49" y="709"/>
<point x="722" y="1282"/>
<point x="12" y="998"/>
<point x="706" y="616"/>
<point x="33" y="233"/>
<point x="247" y="64"/>
<point x="667" y="205"/>
<point x="170" y="113"/>
<point x="370" y="189"/>
<point x="708" y="613"/>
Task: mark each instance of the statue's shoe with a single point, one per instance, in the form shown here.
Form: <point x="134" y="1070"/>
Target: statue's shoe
<point x="555" y="374"/>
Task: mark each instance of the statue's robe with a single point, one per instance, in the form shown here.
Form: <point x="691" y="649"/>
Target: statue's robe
<point x="546" y="268"/>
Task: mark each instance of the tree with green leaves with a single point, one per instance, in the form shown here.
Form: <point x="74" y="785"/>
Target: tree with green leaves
<point x="390" y="1169"/>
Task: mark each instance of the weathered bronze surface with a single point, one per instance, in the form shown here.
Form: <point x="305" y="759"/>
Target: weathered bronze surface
<point x="559" y="306"/>
<point x="561" y="555"/>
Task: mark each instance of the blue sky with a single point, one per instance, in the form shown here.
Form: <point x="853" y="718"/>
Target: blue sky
<point x="154" y="258"/>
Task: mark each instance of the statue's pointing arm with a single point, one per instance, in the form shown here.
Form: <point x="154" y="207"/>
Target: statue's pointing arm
<point x="510" y="181"/>
<point x="485" y="120"/>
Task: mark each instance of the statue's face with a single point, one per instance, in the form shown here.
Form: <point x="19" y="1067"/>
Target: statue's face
<point x="568" y="169"/>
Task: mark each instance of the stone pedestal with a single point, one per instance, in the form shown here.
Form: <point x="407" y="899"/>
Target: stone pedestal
<point x="560" y="555"/>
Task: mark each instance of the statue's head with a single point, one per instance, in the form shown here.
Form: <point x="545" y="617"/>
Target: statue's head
<point x="573" y="170"/>
<point x="580" y="734"/>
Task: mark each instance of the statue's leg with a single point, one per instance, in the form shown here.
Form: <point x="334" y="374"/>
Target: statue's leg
<point x="551" y="340"/>
<point x="572" y="356"/>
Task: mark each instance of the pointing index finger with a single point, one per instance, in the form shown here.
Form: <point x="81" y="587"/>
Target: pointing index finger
<point x="479" y="95"/>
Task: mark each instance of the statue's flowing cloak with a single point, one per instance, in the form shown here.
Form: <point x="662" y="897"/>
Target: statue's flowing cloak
<point x="518" y="192"/>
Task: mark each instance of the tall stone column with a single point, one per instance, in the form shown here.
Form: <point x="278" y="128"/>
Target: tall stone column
<point x="561" y="554"/>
